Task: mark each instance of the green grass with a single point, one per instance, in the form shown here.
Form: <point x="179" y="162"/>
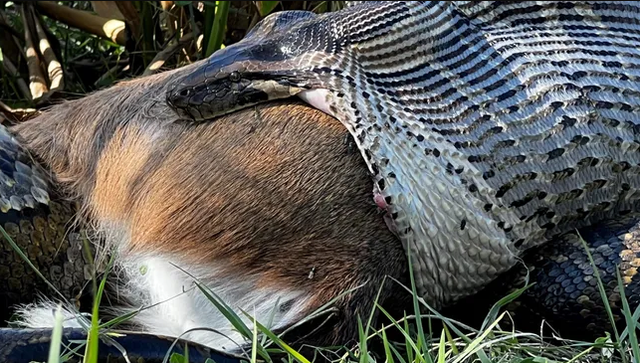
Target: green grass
<point x="427" y="336"/>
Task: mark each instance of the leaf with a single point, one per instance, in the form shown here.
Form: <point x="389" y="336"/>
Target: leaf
<point x="177" y="358"/>
<point x="266" y="7"/>
<point x="56" y="337"/>
<point x="535" y="360"/>
<point x="284" y="346"/>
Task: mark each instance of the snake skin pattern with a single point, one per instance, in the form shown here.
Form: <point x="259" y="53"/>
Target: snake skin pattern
<point x="565" y="291"/>
<point x="32" y="345"/>
<point x="489" y="127"/>
<point x="40" y="224"/>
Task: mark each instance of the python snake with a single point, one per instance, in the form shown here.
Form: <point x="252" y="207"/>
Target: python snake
<point x="32" y="345"/>
<point x="40" y="223"/>
<point x="488" y="127"/>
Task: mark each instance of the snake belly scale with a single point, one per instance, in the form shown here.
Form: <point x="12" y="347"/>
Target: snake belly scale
<point x="488" y="127"/>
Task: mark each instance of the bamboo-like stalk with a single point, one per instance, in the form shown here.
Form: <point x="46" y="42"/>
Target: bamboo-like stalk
<point x="112" y="29"/>
<point x="166" y="5"/>
<point x="131" y="16"/>
<point x="54" y="68"/>
<point x="37" y="82"/>
<point x="166" y="53"/>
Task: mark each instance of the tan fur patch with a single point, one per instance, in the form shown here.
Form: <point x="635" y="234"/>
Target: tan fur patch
<point x="269" y="192"/>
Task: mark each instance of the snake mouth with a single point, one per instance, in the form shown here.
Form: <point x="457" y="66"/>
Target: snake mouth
<point x="225" y="95"/>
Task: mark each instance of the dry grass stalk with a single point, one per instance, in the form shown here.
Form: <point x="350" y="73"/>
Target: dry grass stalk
<point x="162" y="56"/>
<point x="112" y="29"/>
<point x="37" y="82"/>
<point x="54" y="68"/>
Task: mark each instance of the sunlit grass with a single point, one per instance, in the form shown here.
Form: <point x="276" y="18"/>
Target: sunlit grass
<point x="426" y="335"/>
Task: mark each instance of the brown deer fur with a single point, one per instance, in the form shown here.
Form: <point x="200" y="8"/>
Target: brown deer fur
<point x="269" y="195"/>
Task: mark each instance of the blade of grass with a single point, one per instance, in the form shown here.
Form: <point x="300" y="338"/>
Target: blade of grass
<point x="279" y="342"/>
<point x="416" y="308"/>
<point x="635" y="317"/>
<point x="91" y="352"/>
<point x="254" y="344"/>
<point x="387" y="349"/>
<point x="454" y="347"/>
<point x="472" y="347"/>
<point x="631" y="324"/>
<point x="441" y="348"/>
<point x="603" y="293"/>
<point x="363" y="342"/>
<point x="218" y="29"/>
<point x="231" y="316"/>
<point x="397" y="354"/>
<point x="176" y="340"/>
<point x="270" y="322"/>
<point x="495" y="309"/>
<point x="56" y="337"/>
<point x="226" y="310"/>
<point x="579" y="356"/>
<point x="448" y="321"/>
<point x="409" y="342"/>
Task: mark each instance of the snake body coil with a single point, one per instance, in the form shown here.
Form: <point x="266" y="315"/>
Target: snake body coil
<point x="32" y="345"/>
<point x="489" y="127"/>
<point x="40" y="223"/>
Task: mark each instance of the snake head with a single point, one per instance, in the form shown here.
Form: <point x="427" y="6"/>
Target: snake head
<point x="235" y="78"/>
<point x="272" y="62"/>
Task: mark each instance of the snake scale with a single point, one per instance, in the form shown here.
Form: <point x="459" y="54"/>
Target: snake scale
<point x="40" y="223"/>
<point x="489" y="128"/>
<point x="32" y="345"/>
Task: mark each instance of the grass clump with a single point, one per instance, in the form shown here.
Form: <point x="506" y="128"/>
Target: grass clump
<point x="426" y="336"/>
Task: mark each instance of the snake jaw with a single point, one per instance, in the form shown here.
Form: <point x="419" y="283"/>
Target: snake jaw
<point x="227" y="94"/>
<point x="239" y="76"/>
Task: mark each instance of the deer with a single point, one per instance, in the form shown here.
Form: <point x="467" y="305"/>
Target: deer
<point x="221" y="206"/>
<point x="270" y="209"/>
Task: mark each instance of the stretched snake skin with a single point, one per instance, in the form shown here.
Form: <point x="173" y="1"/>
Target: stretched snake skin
<point x="489" y="128"/>
<point x="564" y="291"/>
